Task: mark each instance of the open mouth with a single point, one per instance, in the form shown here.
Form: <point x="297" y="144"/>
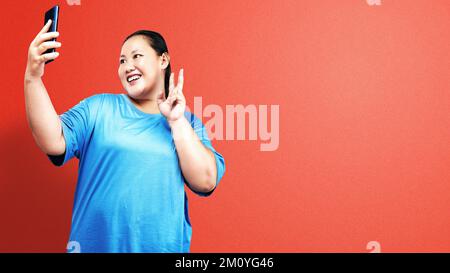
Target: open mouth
<point x="133" y="79"/>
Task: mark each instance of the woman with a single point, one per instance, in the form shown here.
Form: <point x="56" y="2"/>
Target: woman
<point x="136" y="150"/>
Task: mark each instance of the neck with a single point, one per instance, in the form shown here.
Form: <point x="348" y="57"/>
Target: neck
<point x="146" y="105"/>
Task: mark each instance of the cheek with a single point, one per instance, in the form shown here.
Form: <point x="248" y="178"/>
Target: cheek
<point x="147" y="66"/>
<point x="120" y="73"/>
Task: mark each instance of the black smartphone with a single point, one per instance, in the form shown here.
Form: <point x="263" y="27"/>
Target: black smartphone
<point x="52" y="14"/>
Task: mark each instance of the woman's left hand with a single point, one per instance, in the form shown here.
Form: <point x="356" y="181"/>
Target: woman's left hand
<point x="173" y="107"/>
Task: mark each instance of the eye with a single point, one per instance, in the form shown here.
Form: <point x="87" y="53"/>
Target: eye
<point x="121" y="61"/>
<point x="137" y="55"/>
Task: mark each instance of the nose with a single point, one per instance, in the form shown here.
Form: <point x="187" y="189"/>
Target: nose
<point x="129" y="68"/>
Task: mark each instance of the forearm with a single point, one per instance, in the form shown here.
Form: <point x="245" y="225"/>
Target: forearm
<point x="42" y="117"/>
<point x="197" y="162"/>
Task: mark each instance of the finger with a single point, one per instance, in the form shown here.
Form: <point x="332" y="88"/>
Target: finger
<point x="46" y="26"/>
<point x="171" y="83"/>
<point x="175" y="91"/>
<point x="180" y="81"/>
<point x="44" y="29"/>
<point x="171" y="99"/>
<point x="48" y="45"/>
<point x="46" y="36"/>
<point x="49" y="56"/>
<point x="175" y="101"/>
<point x="181" y="98"/>
<point x="160" y="97"/>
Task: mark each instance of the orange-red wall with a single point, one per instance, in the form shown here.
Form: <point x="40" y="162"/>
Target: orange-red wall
<point x="364" y="121"/>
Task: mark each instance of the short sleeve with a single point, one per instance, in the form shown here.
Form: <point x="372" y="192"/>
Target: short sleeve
<point x="76" y="125"/>
<point x="201" y="132"/>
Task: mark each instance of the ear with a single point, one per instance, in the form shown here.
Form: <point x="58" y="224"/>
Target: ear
<point x="165" y="60"/>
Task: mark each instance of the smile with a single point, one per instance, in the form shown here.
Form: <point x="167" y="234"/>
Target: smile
<point x="133" y="78"/>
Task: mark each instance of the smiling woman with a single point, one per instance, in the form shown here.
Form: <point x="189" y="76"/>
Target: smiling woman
<point x="144" y="66"/>
<point x="136" y="150"/>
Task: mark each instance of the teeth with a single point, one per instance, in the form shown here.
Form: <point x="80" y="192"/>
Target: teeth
<point x="132" y="78"/>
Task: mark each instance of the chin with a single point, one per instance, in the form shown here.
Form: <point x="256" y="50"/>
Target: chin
<point x="135" y="92"/>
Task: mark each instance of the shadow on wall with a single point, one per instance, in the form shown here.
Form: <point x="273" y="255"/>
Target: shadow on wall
<point x="35" y="197"/>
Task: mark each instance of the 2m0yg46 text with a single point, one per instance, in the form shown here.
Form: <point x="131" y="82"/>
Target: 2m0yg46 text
<point x="245" y="262"/>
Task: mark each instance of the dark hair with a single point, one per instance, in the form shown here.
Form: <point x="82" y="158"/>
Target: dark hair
<point x="157" y="42"/>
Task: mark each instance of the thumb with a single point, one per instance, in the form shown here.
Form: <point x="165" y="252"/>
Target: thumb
<point x="160" y="97"/>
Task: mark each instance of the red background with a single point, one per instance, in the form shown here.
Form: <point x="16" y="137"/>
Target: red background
<point x="364" y="99"/>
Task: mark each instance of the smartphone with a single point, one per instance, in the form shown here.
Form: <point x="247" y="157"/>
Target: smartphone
<point x="52" y="14"/>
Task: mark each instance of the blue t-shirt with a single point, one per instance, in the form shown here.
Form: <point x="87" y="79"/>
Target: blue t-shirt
<point x="130" y="193"/>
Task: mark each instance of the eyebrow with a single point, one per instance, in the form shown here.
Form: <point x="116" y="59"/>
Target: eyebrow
<point x="131" y="52"/>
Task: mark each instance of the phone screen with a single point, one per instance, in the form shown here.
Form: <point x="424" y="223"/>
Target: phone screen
<point x="53" y="15"/>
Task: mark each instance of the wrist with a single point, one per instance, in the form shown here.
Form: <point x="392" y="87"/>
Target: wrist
<point x="31" y="78"/>
<point x="177" y="123"/>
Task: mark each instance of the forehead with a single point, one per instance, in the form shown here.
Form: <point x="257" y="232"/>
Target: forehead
<point x="135" y="43"/>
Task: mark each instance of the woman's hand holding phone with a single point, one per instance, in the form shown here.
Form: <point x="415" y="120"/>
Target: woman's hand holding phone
<point x="36" y="52"/>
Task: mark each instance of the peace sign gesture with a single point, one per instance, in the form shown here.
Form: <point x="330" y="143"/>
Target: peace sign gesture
<point x="173" y="107"/>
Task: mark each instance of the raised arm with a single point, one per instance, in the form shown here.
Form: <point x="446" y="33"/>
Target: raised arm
<point x="196" y="161"/>
<point x="42" y="118"/>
